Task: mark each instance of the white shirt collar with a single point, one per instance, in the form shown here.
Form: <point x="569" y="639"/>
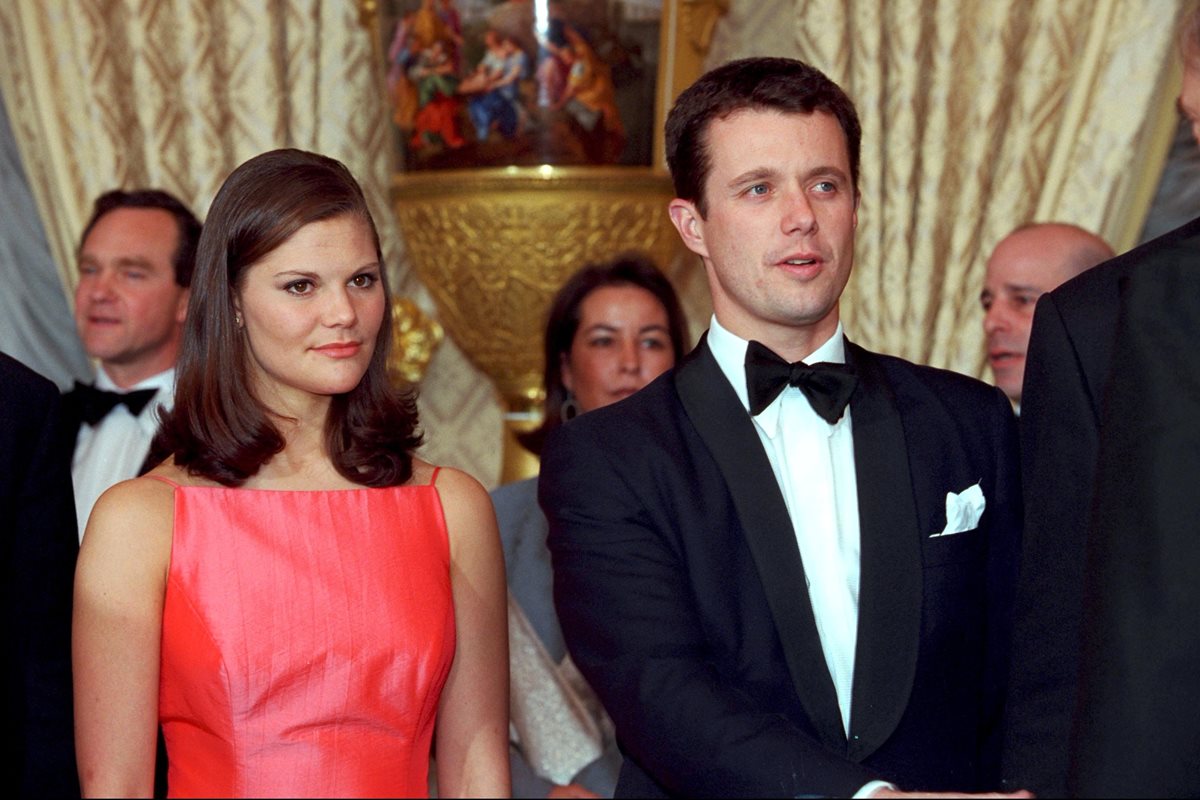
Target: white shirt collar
<point x="729" y="350"/>
<point x="163" y="381"/>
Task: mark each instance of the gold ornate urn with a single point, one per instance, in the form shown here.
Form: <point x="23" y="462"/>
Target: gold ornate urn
<point x="492" y="247"/>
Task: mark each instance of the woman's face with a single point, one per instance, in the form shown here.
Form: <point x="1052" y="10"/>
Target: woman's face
<point x="623" y="342"/>
<point x="311" y="311"/>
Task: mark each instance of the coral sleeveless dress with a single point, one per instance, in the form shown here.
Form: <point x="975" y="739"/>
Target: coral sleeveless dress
<point x="306" y="639"/>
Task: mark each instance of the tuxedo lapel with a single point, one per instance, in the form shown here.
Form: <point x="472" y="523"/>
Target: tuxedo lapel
<point x="890" y="587"/>
<point x="725" y="427"/>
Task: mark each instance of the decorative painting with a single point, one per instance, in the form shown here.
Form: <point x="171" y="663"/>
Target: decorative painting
<point x="484" y="83"/>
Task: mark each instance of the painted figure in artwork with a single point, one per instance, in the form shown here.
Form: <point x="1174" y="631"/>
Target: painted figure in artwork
<point x="590" y="99"/>
<point x="495" y="87"/>
<point x="400" y="89"/>
<point x="437" y="104"/>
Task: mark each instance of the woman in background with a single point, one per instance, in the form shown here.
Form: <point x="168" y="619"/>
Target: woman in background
<point x="302" y="604"/>
<point x="612" y="329"/>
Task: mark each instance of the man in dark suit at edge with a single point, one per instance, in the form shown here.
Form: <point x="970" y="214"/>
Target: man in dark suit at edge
<point x="1068" y="368"/>
<point x="1108" y="433"/>
<point x="37" y="529"/>
<point x="775" y="593"/>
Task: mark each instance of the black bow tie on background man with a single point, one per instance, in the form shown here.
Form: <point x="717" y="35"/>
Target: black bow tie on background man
<point x="94" y="404"/>
<point x="828" y="387"/>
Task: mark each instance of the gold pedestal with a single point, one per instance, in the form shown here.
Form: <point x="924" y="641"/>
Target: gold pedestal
<point x="493" y="246"/>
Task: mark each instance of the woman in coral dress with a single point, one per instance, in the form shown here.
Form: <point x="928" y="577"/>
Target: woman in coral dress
<point x="303" y="606"/>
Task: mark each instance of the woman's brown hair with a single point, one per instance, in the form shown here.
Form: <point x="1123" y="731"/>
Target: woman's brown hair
<point x="218" y="429"/>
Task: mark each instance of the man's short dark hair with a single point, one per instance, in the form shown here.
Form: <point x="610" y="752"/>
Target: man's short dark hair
<point x="188" y="226"/>
<point x="779" y="84"/>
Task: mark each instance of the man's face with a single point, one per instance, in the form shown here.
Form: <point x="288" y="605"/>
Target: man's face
<point x="778" y="240"/>
<point x="1023" y="267"/>
<point x="128" y="309"/>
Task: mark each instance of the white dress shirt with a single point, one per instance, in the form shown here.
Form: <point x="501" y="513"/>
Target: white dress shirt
<point x="115" y="448"/>
<point x="814" y="466"/>
<point x="813" y="463"/>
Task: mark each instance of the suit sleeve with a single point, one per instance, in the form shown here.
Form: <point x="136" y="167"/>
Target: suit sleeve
<point x="43" y="545"/>
<point x="1058" y="451"/>
<point x="626" y="610"/>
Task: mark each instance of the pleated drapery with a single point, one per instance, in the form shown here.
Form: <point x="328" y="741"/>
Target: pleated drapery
<point x="978" y="116"/>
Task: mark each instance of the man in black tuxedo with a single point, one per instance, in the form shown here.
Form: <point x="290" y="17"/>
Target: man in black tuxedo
<point x="1071" y="360"/>
<point x="37" y="529"/>
<point x="773" y="592"/>
<point x="135" y="264"/>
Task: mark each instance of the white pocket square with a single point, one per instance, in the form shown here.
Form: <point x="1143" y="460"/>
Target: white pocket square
<point x="963" y="511"/>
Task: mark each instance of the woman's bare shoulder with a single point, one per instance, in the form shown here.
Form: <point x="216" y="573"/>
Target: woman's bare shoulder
<point x="466" y="505"/>
<point x="135" y="497"/>
<point x="454" y="483"/>
<point x="135" y="514"/>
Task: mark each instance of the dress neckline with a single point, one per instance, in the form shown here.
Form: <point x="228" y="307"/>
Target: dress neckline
<point x="176" y="485"/>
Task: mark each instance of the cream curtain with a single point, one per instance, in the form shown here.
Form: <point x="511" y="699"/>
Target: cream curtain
<point x="978" y="116"/>
<point x="175" y="93"/>
<point x="35" y="321"/>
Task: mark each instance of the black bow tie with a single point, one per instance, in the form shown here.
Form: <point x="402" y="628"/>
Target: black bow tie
<point x="828" y="387"/>
<point x="94" y="404"/>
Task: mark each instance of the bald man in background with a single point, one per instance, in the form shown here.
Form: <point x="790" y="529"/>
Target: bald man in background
<point x="1026" y="264"/>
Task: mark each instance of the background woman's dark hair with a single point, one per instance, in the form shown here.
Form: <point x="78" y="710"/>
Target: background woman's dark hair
<point x="562" y="321"/>
<point x="218" y="429"/>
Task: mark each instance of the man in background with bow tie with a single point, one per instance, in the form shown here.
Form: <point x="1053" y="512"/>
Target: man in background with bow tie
<point x="135" y="264"/>
<point x="787" y="566"/>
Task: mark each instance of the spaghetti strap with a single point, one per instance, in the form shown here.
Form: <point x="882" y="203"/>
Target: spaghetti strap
<point x="167" y="481"/>
<point x="433" y="477"/>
